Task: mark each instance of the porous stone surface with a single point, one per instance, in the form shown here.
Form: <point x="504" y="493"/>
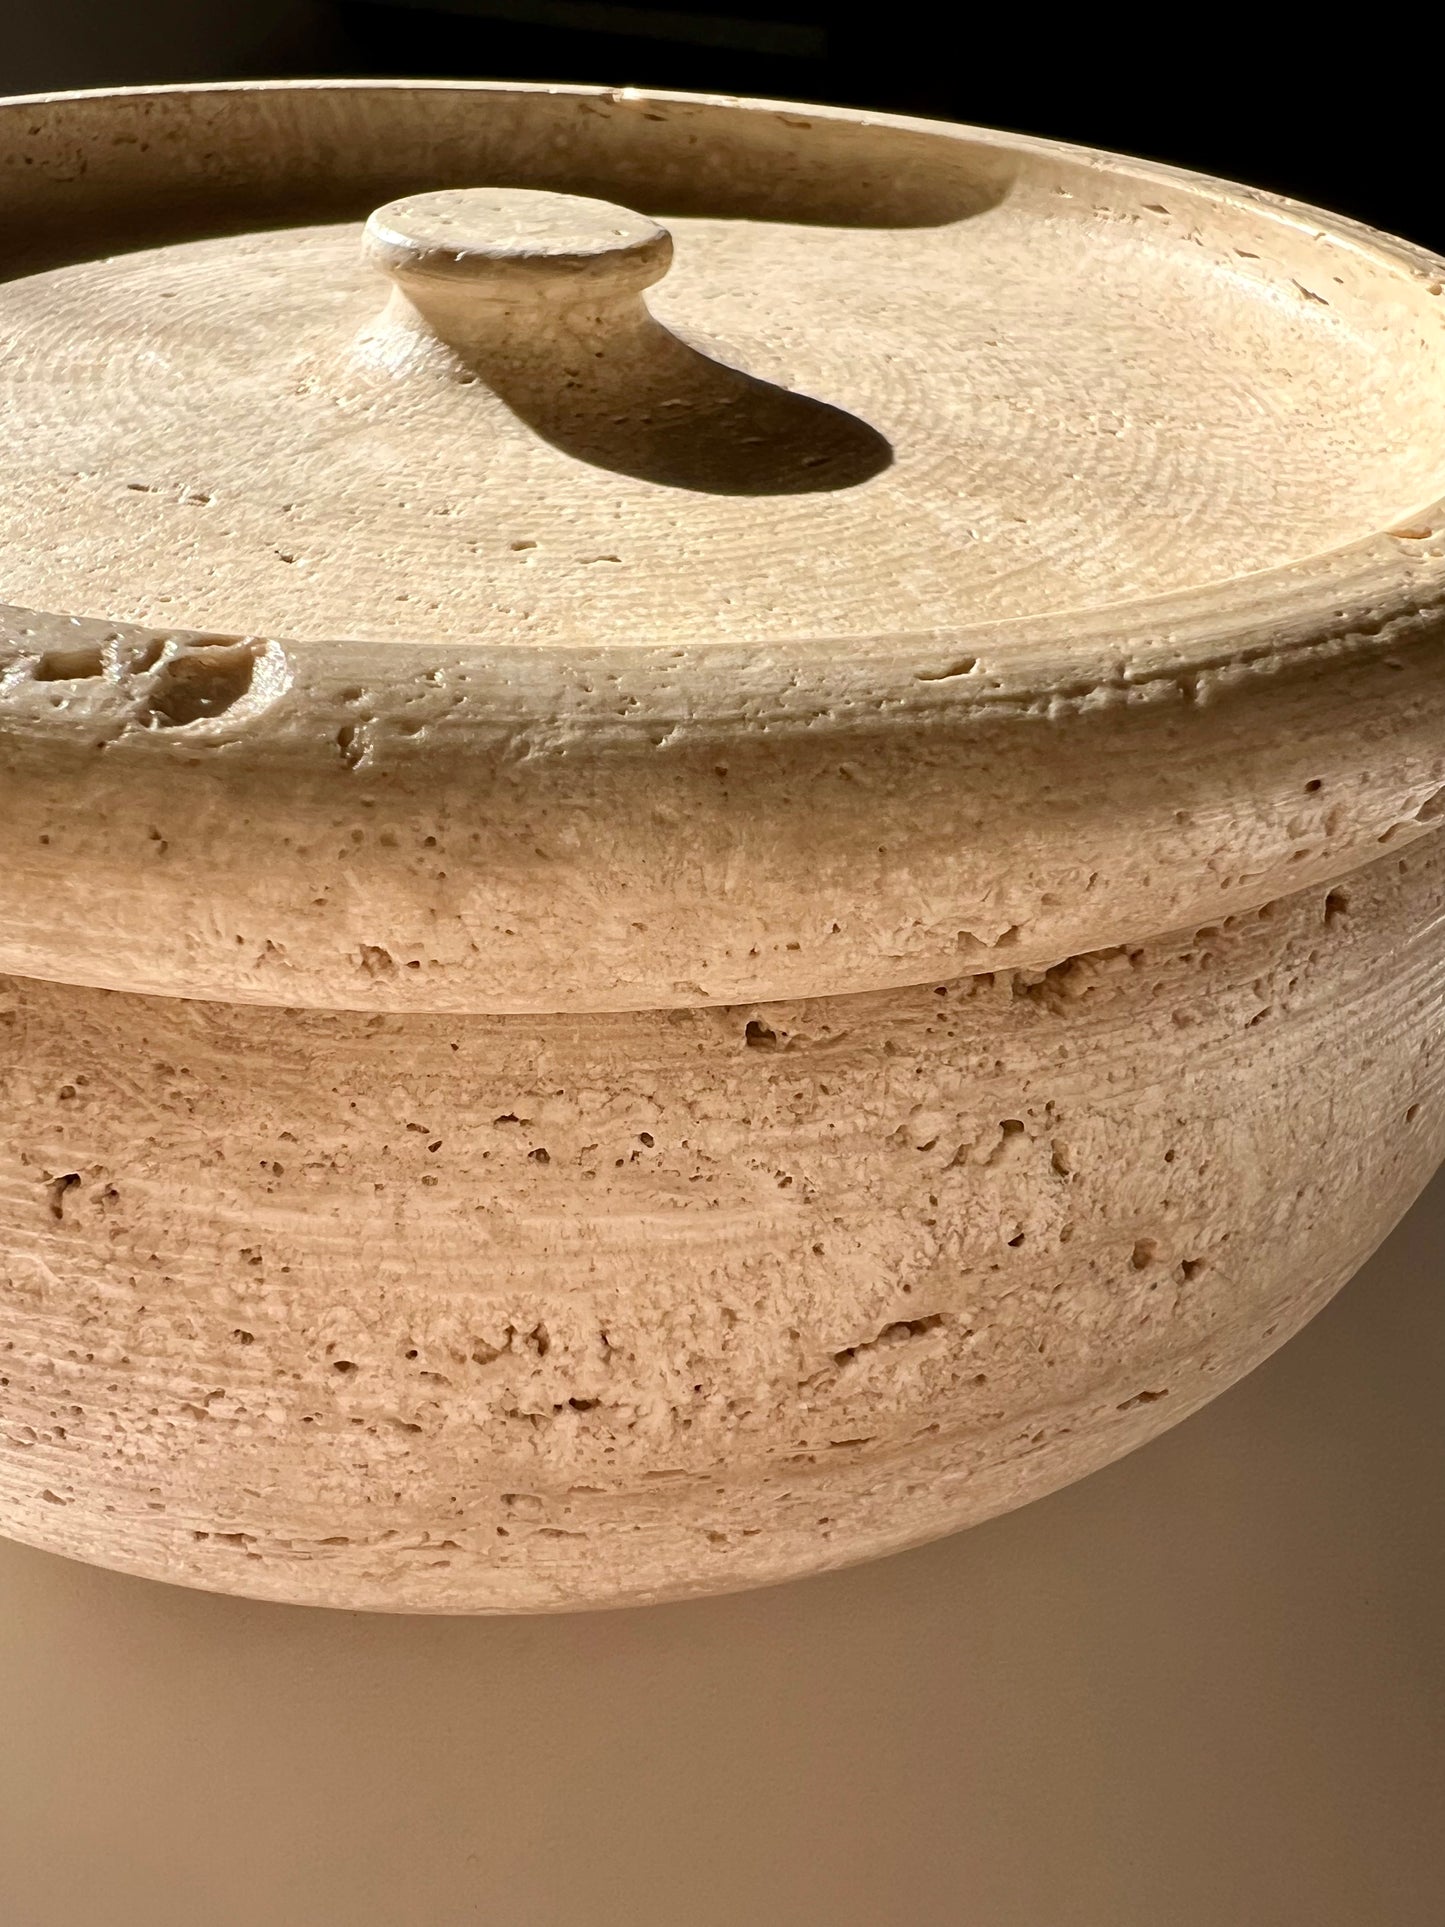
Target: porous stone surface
<point x="971" y="551"/>
<point x="603" y="703"/>
<point x="504" y="1313"/>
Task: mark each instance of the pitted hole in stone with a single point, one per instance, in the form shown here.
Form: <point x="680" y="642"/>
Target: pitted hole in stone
<point x="201" y="683"/>
<point x="1140" y="1398"/>
<point x="70" y="665"/>
<point x="145" y="656"/>
<point x="57" y="1188"/>
<point x="1432" y="809"/>
<point x="964" y="666"/>
<point x="896" y="1333"/>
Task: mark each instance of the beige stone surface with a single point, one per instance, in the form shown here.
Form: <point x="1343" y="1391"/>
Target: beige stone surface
<point x="516" y="1313"/>
<point x="713" y="863"/>
<point x="1064" y="672"/>
<point x="1202" y="1687"/>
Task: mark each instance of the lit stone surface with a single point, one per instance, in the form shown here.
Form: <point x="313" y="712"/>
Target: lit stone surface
<point x="511" y="1312"/>
<point x="587" y="840"/>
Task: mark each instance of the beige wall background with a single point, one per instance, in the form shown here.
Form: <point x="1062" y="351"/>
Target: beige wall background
<point x="1205" y="1688"/>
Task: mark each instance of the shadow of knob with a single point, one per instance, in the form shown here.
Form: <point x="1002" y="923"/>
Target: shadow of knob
<point x="540" y="296"/>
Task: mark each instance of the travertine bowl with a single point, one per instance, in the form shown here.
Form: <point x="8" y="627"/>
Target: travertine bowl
<point x="599" y="1011"/>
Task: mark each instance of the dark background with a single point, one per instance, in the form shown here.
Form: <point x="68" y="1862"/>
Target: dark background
<point x="1349" y="121"/>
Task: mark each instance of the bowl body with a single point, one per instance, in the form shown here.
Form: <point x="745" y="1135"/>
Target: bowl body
<point x="494" y="1313"/>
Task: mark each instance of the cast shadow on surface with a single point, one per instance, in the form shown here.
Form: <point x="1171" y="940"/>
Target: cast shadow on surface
<point x="640" y="401"/>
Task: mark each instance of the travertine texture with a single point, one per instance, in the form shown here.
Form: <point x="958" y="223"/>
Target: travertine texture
<point x="454" y="679"/>
<point x="512" y="1312"/>
<point x="606" y="701"/>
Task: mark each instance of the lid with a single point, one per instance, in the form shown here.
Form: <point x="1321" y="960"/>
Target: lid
<point x="539" y="548"/>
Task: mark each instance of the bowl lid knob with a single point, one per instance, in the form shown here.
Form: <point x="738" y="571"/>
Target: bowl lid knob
<point x="461" y="252"/>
